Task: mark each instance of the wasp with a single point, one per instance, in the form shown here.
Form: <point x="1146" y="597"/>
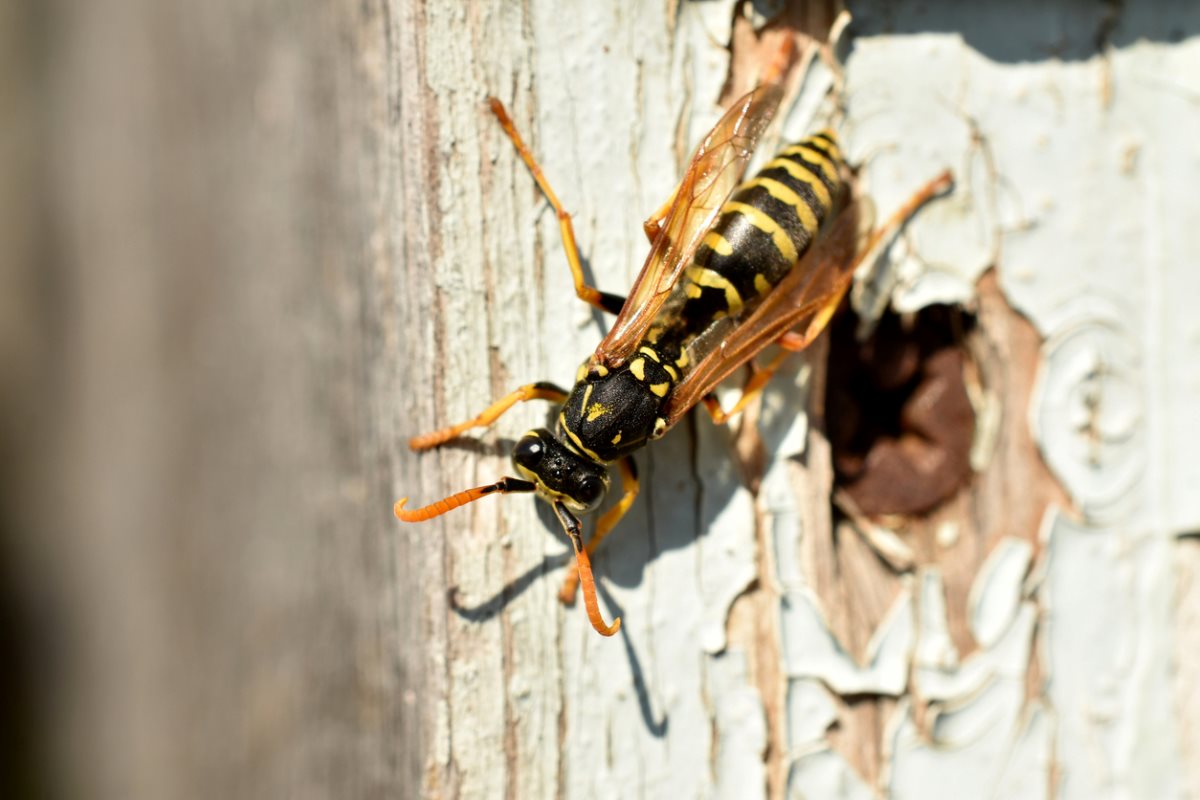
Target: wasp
<point x="733" y="268"/>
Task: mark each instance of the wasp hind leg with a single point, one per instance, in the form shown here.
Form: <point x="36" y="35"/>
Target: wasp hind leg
<point x="790" y="342"/>
<point x="589" y="294"/>
<point x="530" y="391"/>
<point x="629" y="487"/>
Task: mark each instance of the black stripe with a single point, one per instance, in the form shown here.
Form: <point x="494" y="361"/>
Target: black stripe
<point x="801" y="188"/>
<point x="754" y="252"/>
<point x="783" y="214"/>
<point x="821" y="141"/>
<point x="830" y="185"/>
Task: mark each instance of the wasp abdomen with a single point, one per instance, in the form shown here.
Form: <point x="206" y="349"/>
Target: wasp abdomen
<point x="763" y="230"/>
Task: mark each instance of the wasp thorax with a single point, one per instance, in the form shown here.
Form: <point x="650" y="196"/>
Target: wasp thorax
<point x="559" y="472"/>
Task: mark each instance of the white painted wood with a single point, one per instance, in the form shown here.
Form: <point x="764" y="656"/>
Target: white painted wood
<point x="1065" y="185"/>
<point x="295" y="237"/>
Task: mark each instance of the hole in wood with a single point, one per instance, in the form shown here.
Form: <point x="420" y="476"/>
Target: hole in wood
<point x="898" y="417"/>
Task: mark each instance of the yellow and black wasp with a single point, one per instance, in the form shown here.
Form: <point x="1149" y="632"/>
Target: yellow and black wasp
<point x="733" y="268"/>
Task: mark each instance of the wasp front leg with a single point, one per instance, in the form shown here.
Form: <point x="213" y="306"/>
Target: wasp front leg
<point x="531" y="391"/>
<point x="589" y="294"/>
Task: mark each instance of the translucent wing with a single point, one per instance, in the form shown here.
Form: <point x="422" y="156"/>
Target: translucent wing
<point x="716" y="169"/>
<point x="803" y="302"/>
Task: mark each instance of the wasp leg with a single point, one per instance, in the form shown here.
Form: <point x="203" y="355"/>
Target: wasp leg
<point x="824" y="307"/>
<point x="629" y="485"/>
<point x="602" y="300"/>
<point x="654" y="223"/>
<point x="790" y="342"/>
<point x="531" y="391"/>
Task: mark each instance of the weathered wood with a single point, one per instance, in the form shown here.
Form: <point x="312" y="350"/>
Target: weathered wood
<point x="282" y="238"/>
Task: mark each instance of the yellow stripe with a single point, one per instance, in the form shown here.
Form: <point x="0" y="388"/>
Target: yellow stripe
<point x="638" y="368"/>
<point x="831" y="145"/>
<point x="813" y="156"/>
<point x="562" y="423"/>
<point x="805" y="176"/>
<point x="759" y="219"/>
<point x="671" y="371"/>
<point x="660" y="389"/>
<point x="785" y="195"/>
<point x="761" y="284"/>
<point x="703" y="276"/>
<point x="718" y="243"/>
<point x="650" y="351"/>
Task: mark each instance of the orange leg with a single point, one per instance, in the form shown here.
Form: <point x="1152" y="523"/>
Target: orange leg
<point x="790" y="342"/>
<point x="602" y="300"/>
<point x="531" y="391"/>
<point x="629" y="485"/>
<point x="654" y="224"/>
<point x="824" y="308"/>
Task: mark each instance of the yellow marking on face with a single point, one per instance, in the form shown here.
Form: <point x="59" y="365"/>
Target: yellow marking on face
<point x="760" y="220"/>
<point x="596" y="411"/>
<point x="704" y="276"/>
<point x="718" y="243"/>
<point x="638" y="368"/>
<point x="671" y="371"/>
<point x="814" y="156"/>
<point x="617" y="439"/>
<point x="660" y="389"/>
<point x="761" y="284"/>
<point x="574" y="439"/>
<point x="805" y="176"/>
<point x="650" y="351"/>
<point x="785" y="195"/>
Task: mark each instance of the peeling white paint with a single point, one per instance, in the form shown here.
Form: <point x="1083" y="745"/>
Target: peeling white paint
<point x="810" y="713"/>
<point x="824" y="773"/>
<point x="1108" y="642"/>
<point x="1046" y="172"/>
<point x="996" y="594"/>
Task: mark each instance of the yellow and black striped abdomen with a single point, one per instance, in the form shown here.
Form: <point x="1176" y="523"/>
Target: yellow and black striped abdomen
<point x="763" y="230"/>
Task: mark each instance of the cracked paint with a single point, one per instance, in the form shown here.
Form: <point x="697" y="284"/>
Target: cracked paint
<point x="671" y="706"/>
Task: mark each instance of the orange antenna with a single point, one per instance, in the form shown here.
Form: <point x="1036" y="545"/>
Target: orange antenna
<point x="571" y="526"/>
<point x="505" y="485"/>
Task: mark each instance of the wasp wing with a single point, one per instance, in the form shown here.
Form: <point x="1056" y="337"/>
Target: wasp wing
<point x="802" y="302"/>
<point x="716" y="168"/>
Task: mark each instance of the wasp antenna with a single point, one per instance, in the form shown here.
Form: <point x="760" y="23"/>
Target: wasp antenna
<point x="505" y="485"/>
<point x="583" y="563"/>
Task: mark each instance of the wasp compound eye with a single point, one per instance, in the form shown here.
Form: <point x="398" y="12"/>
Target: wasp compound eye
<point x="589" y="490"/>
<point x="530" y="450"/>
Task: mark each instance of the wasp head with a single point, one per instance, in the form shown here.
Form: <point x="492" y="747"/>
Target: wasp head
<point x="560" y="473"/>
